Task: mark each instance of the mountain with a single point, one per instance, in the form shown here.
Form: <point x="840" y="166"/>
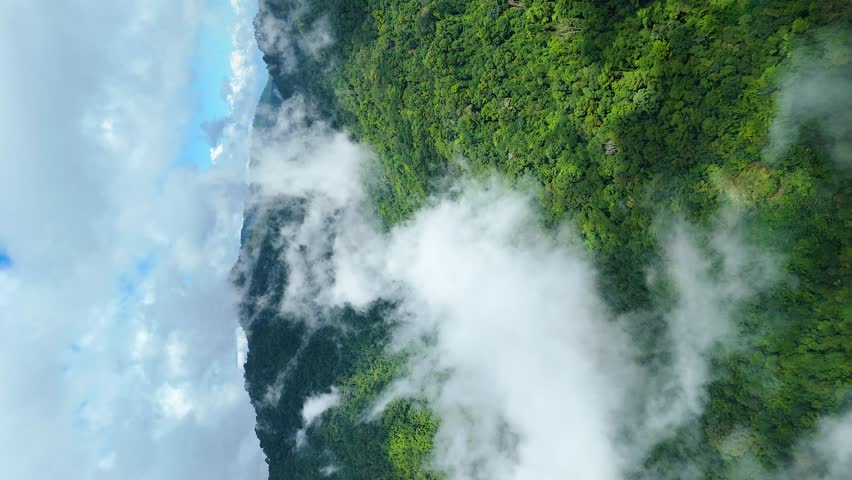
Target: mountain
<point x="620" y="113"/>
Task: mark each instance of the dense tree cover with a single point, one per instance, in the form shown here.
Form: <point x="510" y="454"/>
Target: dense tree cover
<point x="622" y="112"/>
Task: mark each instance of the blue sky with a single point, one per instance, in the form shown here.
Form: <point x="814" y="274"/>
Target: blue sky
<point x="5" y="259"/>
<point x="210" y="73"/>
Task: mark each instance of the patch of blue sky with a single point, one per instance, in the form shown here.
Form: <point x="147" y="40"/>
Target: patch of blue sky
<point x="5" y="260"/>
<point x="129" y="281"/>
<point x="211" y="70"/>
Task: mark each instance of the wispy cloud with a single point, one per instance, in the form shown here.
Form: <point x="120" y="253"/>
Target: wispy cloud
<point x="827" y="455"/>
<point x="815" y="90"/>
<point x="313" y="409"/>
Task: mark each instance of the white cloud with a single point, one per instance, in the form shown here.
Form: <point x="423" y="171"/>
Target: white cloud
<point x="317" y="405"/>
<point x="141" y="343"/>
<point x="534" y="376"/>
<point x="319" y="37"/>
<point x="711" y="280"/>
<point x="173" y="401"/>
<point x="328" y="470"/>
<point x="242" y="347"/>
<point x="827" y="454"/>
<point x="293" y="159"/>
<point x="815" y="88"/>
<point x="282" y="37"/>
<point x="216" y="152"/>
<point x="109" y="369"/>
<point x="242" y="67"/>
<point x="107" y="462"/>
<point x="312" y="410"/>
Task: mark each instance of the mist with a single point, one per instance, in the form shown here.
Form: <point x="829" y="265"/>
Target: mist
<point x="814" y="91"/>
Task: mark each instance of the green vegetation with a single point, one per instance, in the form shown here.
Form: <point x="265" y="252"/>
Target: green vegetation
<point x="293" y="361"/>
<point x="620" y="111"/>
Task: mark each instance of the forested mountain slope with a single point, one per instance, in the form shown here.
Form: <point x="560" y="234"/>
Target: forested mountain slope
<point x="622" y="113"/>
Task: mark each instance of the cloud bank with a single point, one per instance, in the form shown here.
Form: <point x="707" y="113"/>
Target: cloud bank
<point x="118" y="319"/>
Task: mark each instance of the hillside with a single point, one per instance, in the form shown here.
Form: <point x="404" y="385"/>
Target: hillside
<point x="623" y="116"/>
